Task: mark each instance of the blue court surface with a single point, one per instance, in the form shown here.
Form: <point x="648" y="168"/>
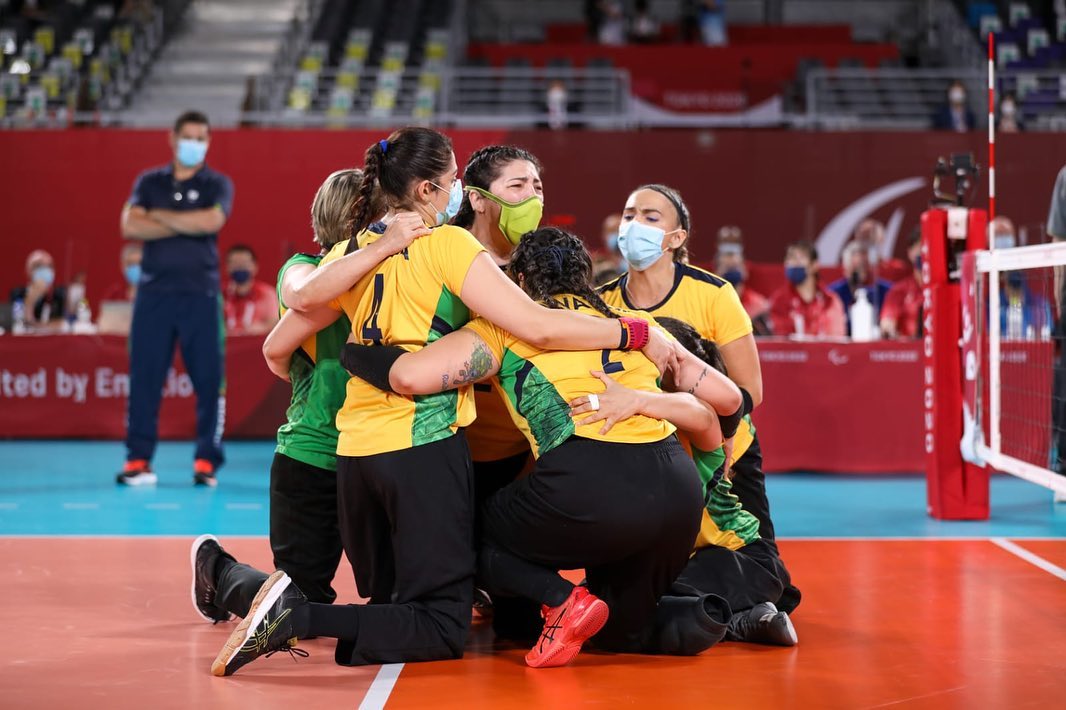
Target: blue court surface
<point x="67" y="488"/>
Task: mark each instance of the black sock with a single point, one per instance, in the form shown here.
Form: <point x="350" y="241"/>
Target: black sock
<point x="338" y="621"/>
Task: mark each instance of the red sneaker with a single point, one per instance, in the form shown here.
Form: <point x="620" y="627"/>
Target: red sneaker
<point x="566" y="627"/>
<point x="203" y="473"/>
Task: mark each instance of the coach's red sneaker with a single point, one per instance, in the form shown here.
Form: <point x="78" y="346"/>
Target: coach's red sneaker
<point x="203" y="473"/>
<point x="566" y="627"/>
<point x="136" y="472"/>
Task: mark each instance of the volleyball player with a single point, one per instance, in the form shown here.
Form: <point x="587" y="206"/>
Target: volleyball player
<point x="729" y="560"/>
<point x="303" y="480"/>
<point x="618" y="504"/>
<point x="653" y="236"/>
<point x="404" y="478"/>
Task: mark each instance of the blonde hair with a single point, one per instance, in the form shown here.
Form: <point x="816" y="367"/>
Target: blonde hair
<point x="332" y="206"/>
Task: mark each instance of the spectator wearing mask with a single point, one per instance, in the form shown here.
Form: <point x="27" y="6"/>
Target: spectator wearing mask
<point x="1023" y="315"/>
<point x="955" y="115"/>
<point x="803" y="306"/>
<point x="612" y="29"/>
<point x="730" y="265"/>
<point x="42" y="300"/>
<point x="556" y="101"/>
<point x="610" y="265"/>
<point x="645" y="29"/>
<point x="251" y="306"/>
<point x="858" y="274"/>
<point x="130" y="262"/>
<point x="1010" y="120"/>
<point x="712" y="22"/>
<point x="901" y="314"/>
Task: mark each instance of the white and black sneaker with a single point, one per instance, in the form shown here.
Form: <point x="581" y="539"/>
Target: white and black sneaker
<point x="763" y="623"/>
<point x="269" y="627"/>
<point x="203" y="558"/>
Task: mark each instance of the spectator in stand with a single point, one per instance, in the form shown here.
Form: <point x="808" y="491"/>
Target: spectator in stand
<point x="712" y="22"/>
<point x="610" y="264"/>
<point x="555" y="99"/>
<point x="251" y="306"/>
<point x="612" y="29"/>
<point x="645" y="29"/>
<point x="955" y="115"/>
<point x="1003" y="234"/>
<point x="593" y="19"/>
<point x="901" y="314"/>
<point x="1023" y="315"/>
<point x="858" y="274"/>
<point x="803" y="306"/>
<point x="43" y="302"/>
<point x="1009" y="119"/>
<point x="130" y="261"/>
<point x="730" y="265"/>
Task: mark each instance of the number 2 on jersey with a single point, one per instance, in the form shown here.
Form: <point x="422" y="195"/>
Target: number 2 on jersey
<point x="609" y="366"/>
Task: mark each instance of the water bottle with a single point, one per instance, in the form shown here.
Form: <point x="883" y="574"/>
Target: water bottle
<point x="862" y="318"/>
<point x="1015" y="318"/>
<point x="83" y="319"/>
<point x="18" y="317"/>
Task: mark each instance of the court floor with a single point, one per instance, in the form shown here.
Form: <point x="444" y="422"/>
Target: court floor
<point x="898" y="610"/>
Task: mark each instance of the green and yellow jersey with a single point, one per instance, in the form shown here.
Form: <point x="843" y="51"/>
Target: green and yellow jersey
<point x="309" y="434"/>
<point x="725" y="523"/>
<point x="538" y="385"/>
<point x="708" y="303"/>
<point x="411" y="300"/>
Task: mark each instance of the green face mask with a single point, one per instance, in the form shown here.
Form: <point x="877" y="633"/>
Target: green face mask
<point x="516" y="218"/>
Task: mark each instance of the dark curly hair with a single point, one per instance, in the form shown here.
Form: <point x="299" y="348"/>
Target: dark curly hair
<point x="408" y="155"/>
<point x="482" y="169"/>
<point x="552" y="261"/>
<point x="672" y="196"/>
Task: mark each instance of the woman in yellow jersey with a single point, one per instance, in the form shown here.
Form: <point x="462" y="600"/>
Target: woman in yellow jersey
<point x="730" y="561"/>
<point x="653" y="240"/>
<point x="303" y="475"/>
<point x="405" y="492"/>
<point x="624" y="504"/>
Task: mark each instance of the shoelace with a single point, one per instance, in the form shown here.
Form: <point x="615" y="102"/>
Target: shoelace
<point x="293" y="652"/>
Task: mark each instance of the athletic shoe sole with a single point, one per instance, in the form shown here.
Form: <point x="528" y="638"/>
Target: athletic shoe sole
<point x="584" y="628"/>
<point x="141" y="479"/>
<point x="200" y="479"/>
<point x="196" y="544"/>
<point x="790" y="628"/>
<point x="264" y="599"/>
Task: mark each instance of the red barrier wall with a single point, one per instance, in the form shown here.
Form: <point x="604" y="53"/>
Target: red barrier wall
<point x="64" y="190"/>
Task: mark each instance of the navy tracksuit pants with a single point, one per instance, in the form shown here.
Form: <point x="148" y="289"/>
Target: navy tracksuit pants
<point x="194" y="322"/>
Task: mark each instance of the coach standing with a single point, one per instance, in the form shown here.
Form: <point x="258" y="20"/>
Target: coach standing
<point x="177" y="210"/>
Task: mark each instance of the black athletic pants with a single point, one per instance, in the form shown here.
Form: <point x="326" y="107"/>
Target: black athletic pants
<point x="626" y="513"/>
<point x="303" y="536"/>
<point x="745" y="577"/>
<point x="749" y="485"/>
<point x="407" y="525"/>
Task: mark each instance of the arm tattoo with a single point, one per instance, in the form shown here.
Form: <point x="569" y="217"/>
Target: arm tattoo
<point x="476" y="367"/>
<point x="444" y="382"/>
<point x="692" y="389"/>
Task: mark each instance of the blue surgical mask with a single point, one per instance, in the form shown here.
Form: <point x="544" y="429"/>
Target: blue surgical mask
<point x="1004" y="241"/>
<point x="191" y="153"/>
<point x="44" y="274"/>
<point x="455" y="199"/>
<point x="796" y="274"/>
<point x="133" y="274"/>
<point x="641" y="244"/>
<point x="240" y="276"/>
<point x="734" y="276"/>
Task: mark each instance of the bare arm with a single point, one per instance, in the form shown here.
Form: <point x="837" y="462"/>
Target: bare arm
<point x="458" y="359"/>
<point x="136" y="224"/>
<point x="290" y="332"/>
<point x="191" y="222"/>
<point x="742" y="360"/>
<point x="709" y="385"/>
<point x="307" y="289"/>
<point x="495" y="297"/>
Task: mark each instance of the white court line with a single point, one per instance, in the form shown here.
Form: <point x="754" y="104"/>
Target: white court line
<point x="1029" y="557"/>
<point x="81" y="506"/>
<point x="244" y="506"/>
<point x="162" y="506"/>
<point x="378" y="693"/>
<point x="9" y="506"/>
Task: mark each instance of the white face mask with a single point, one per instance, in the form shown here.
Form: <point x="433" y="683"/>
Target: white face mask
<point x="957" y="96"/>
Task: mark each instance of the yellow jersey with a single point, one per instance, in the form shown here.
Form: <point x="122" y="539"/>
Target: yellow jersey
<point x="708" y="303"/>
<point x="538" y="385"/>
<point x="410" y="300"/>
<point x="493" y="435"/>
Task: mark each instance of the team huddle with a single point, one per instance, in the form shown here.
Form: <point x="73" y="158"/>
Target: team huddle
<point x="470" y="415"/>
